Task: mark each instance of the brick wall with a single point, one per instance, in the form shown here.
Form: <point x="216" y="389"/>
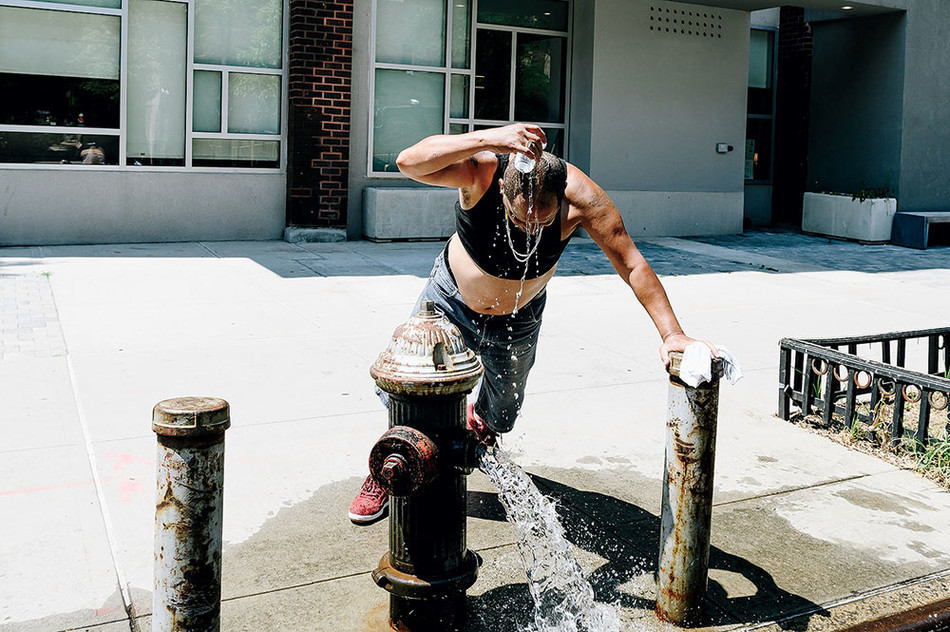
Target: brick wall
<point x="321" y="53"/>
<point x="791" y="116"/>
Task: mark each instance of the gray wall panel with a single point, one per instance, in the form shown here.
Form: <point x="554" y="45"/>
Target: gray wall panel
<point x="661" y="101"/>
<point x="856" y="104"/>
<point x="80" y="207"/>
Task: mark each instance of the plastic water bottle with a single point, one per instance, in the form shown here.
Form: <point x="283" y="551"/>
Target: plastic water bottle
<point x="524" y="164"/>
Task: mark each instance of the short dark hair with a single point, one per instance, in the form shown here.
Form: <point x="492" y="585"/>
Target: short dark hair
<point x="549" y="179"/>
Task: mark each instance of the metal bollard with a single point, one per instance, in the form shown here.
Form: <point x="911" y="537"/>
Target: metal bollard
<point x="422" y="461"/>
<point x="687" y="497"/>
<point x="188" y="513"/>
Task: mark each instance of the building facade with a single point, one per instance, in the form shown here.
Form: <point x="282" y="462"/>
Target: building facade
<point x="164" y="120"/>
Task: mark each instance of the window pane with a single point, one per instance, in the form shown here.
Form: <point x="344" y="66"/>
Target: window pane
<point x="492" y="74"/>
<point x="156" y="112"/>
<point x="758" y="159"/>
<point x="37" y="42"/>
<point x="540" y="14"/>
<point x="238" y="32"/>
<point x="105" y="4"/>
<point x="215" y="152"/>
<point x="407" y="108"/>
<point x="458" y="128"/>
<point x="207" y="108"/>
<point x="555" y="141"/>
<point x="67" y="148"/>
<point x="539" y="83"/>
<point x="253" y="103"/>
<point x="48" y="100"/>
<point x="760" y="72"/>
<point x="458" y="100"/>
<point x="461" y="28"/>
<point x="760" y="59"/>
<point x="410" y="32"/>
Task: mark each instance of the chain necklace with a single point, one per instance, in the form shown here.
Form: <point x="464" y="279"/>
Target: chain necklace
<point x="522" y="257"/>
<point x="530" y="250"/>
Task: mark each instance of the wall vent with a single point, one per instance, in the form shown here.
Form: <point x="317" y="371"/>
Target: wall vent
<point x="685" y="20"/>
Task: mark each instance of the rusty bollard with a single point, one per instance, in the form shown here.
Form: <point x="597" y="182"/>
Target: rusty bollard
<point x="687" y="496"/>
<point x="188" y="513"/>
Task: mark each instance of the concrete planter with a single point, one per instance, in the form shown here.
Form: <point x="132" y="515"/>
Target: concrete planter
<point x="840" y="216"/>
<point x="408" y="213"/>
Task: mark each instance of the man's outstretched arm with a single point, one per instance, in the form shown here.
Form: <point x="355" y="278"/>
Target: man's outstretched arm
<point x="602" y="221"/>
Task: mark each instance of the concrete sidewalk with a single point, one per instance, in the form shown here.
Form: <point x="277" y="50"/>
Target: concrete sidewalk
<point x="91" y="337"/>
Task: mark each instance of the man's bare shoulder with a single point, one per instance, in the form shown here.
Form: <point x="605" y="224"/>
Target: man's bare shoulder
<point x="484" y="160"/>
<point x="484" y="163"/>
<point x="583" y="194"/>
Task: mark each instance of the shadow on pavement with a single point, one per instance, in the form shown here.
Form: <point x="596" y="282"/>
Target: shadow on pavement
<point x="627" y="577"/>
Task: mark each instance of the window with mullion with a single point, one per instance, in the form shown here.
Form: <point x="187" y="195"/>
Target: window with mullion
<point x="422" y="59"/>
<point x="59" y="81"/>
<point x="427" y="80"/>
<point x="236" y="116"/>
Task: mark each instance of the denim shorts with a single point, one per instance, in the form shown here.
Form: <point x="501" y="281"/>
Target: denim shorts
<point x="506" y="345"/>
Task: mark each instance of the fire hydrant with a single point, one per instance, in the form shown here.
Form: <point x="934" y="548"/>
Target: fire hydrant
<point x="422" y="460"/>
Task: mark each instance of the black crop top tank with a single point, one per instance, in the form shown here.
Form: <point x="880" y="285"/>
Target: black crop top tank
<point x="482" y="231"/>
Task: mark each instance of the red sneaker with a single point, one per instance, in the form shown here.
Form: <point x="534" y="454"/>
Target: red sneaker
<point x="485" y="434"/>
<point x="370" y="504"/>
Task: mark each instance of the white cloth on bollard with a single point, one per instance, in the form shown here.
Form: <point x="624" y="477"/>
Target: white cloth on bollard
<point x="696" y="365"/>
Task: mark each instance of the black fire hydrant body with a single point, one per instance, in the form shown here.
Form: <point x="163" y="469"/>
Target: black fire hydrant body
<point x="422" y="461"/>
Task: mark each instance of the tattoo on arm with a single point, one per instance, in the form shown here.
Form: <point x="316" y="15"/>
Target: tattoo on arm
<point x="596" y="200"/>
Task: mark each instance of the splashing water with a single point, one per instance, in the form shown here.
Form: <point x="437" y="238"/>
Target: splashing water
<point x="563" y="598"/>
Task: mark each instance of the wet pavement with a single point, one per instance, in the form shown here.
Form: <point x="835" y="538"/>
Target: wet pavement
<point x="805" y="532"/>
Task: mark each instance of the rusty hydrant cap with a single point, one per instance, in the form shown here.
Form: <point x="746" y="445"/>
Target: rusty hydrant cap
<point x="191" y="416"/>
<point x="427" y="356"/>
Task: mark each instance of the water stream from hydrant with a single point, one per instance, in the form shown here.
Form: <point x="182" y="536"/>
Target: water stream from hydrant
<point x="563" y="598"/>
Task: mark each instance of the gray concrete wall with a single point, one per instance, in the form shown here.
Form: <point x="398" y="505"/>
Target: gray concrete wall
<point x="661" y="101"/>
<point x="582" y="84"/>
<point x="359" y="121"/>
<point x="856" y="104"/>
<point x="766" y="17"/>
<point x="925" y="140"/>
<point x="82" y="206"/>
<point x="679" y="213"/>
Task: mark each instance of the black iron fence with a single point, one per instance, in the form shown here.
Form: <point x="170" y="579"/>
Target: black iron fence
<point x="834" y="376"/>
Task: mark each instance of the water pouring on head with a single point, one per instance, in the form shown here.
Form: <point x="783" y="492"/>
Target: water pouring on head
<point x="533" y="200"/>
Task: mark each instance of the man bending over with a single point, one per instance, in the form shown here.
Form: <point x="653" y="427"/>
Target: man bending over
<point x="511" y="228"/>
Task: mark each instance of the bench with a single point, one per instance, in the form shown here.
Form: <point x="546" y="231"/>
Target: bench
<point x="912" y="228"/>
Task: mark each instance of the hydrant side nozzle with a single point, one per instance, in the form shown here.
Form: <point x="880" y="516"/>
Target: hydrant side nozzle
<point x="466" y="452"/>
<point x="403" y="460"/>
<point x="394" y="467"/>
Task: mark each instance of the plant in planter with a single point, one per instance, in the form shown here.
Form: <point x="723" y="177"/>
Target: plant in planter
<point x="865" y="215"/>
